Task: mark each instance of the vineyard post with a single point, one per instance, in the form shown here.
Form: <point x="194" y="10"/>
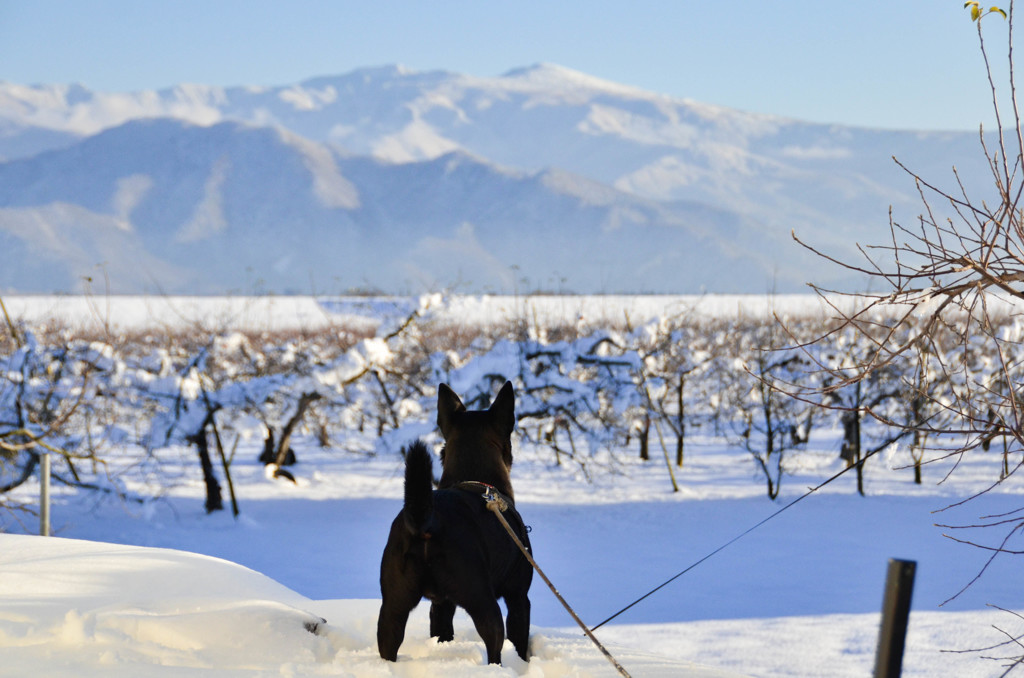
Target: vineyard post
<point x="44" y="494"/>
<point x="892" y="635"/>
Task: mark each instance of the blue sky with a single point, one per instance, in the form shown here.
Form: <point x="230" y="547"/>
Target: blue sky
<point x="896" y="64"/>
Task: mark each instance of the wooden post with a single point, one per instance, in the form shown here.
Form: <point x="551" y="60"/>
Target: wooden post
<point x="44" y="494"/>
<point x="899" y="586"/>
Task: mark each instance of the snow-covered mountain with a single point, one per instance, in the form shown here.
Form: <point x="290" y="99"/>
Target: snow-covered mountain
<point x="396" y="180"/>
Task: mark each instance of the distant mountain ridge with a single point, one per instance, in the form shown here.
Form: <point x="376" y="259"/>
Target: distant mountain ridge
<point x="395" y="180"/>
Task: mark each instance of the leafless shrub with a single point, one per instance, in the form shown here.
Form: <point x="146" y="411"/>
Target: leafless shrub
<point x="945" y="329"/>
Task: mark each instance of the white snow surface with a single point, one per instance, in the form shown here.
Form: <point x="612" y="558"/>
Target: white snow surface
<point x="266" y="313"/>
<point x="83" y="608"/>
<point x="800" y="597"/>
<point x="289" y="588"/>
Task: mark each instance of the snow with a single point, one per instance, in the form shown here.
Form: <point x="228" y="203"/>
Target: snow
<point x="264" y="313"/>
<point x="129" y="313"/>
<point x="78" y="608"/>
<point x="796" y="598"/>
<point x="160" y="588"/>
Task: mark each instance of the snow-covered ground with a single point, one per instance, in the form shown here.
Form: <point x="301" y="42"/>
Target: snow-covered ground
<point x="799" y="596"/>
<point x="126" y="312"/>
<point x="80" y="608"/>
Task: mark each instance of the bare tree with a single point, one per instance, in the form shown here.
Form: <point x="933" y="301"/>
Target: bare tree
<point x="674" y="358"/>
<point x="950" y="285"/>
<point x="769" y="421"/>
<point x="947" y="285"/>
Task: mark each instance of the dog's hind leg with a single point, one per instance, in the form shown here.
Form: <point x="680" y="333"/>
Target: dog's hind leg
<point x="394" y="614"/>
<point x="441" y="614"/>
<point x="486" y="616"/>
<point x="517" y="623"/>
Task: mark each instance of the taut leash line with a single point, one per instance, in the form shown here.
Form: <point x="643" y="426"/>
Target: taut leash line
<point x="735" y="539"/>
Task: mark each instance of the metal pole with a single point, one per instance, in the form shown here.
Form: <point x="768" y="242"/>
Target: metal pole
<point x="44" y="495"/>
<point x="899" y="586"/>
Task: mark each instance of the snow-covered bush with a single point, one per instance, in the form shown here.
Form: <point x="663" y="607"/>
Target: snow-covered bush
<point x="588" y="398"/>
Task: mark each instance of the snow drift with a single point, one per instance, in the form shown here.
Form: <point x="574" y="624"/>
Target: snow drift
<point x="80" y="609"/>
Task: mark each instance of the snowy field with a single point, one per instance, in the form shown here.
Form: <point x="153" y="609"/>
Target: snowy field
<point x="163" y="589"/>
<point x="126" y="313"/>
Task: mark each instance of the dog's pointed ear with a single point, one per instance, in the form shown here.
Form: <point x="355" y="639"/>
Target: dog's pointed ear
<point x="447" y="405"/>
<point x="503" y="409"/>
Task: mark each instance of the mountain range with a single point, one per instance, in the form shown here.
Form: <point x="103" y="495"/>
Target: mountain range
<point x="389" y="180"/>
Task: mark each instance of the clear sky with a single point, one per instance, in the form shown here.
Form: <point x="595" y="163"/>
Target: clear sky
<point x="909" y="64"/>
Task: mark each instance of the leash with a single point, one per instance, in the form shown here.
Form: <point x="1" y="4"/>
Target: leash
<point x="735" y="539"/>
<point x="497" y="505"/>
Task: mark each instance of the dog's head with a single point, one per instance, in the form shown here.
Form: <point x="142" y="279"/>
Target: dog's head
<point x="477" y="443"/>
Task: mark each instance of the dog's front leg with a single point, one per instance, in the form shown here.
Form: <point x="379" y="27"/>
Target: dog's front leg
<point x="441" y="614"/>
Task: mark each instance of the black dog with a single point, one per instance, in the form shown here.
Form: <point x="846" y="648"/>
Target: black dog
<point x="447" y="546"/>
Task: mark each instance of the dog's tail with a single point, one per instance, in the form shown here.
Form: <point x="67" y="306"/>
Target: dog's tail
<point x="419" y="487"/>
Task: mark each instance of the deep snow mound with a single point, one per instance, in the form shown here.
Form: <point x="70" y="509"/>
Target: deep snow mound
<point x="84" y="609"/>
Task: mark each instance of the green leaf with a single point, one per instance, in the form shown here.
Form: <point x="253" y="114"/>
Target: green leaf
<point x="975" y="12"/>
<point x="999" y="10"/>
